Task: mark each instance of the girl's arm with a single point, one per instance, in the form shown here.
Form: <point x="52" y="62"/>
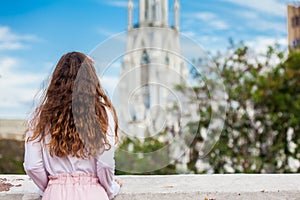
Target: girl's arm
<point x="105" y="173"/>
<point x="33" y="163"/>
<point x="106" y="163"/>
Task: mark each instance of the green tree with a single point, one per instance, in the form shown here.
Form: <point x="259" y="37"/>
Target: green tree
<point x="261" y="132"/>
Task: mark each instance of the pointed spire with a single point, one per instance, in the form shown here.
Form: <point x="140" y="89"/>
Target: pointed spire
<point x="166" y="13"/>
<point x="130" y="14"/>
<point x="176" y="15"/>
<point x="142" y="11"/>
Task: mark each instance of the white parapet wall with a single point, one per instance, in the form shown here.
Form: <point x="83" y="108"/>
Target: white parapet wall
<point x="180" y="187"/>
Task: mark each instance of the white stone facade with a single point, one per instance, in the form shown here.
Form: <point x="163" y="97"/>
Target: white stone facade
<point x="151" y="68"/>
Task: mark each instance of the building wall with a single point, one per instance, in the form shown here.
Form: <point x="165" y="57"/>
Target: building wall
<point x="147" y="85"/>
<point x="293" y="23"/>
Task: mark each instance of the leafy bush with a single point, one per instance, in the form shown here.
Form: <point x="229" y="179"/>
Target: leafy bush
<point x="262" y="126"/>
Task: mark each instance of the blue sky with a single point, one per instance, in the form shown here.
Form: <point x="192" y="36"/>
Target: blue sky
<point x="34" y="34"/>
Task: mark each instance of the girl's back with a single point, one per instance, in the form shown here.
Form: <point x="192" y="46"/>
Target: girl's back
<point x="67" y="157"/>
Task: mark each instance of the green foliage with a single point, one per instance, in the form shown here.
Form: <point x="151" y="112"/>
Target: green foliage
<point x="136" y="146"/>
<point x="11" y="157"/>
<point x="261" y="133"/>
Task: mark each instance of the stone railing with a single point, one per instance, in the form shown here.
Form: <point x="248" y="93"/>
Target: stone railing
<point x="180" y="187"/>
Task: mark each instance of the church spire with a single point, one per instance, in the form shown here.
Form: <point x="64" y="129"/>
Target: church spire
<point x="176" y="15"/>
<point x="130" y="14"/>
<point x="165" y="13"/>
<point x="153" y="13"/>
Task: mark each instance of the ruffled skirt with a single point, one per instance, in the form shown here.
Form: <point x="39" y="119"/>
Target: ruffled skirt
<point x="74" y="187"/>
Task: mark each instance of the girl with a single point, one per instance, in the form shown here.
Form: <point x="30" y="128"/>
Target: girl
<point x="69" y="142"/>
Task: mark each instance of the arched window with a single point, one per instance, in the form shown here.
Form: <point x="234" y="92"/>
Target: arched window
<point x="157" y="10"/>
<point x="167" y="59"/>
<point x="296" y="21"/>
<point x="146" y="9"/>
<point x="145" y="58"/>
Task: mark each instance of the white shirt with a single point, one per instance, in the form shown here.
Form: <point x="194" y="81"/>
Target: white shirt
<point x="39" y="164"/>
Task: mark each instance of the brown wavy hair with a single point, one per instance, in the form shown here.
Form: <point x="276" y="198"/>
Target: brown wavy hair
<point x="73" y="110"/>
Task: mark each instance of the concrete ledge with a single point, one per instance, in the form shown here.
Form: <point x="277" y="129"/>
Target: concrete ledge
<point x="180" y="187"/>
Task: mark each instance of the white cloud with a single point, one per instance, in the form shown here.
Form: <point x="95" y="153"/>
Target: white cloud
<point x="11" y="46"/>
<point x="247" y="14"/>
<point x="116" y="65"/>
<point x="260" y="44"/>
<point x="208" y="39"/>
<point x="189" y="33"/>
<point x="209" y="18"/>
<point x="275" y="26"/>
<point x="208" y="42"/>
<point x="12" y="41"/>
<point x="17" y="89"/>
<point x="219" y="24"/>
<point x="254" y="21"/>
<point x="106" y="32"/>
<point x="205" y="16"/>
<point x="266" y="6"/>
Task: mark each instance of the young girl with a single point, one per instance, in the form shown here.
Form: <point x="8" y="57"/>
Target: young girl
<point x="69" y="143"/>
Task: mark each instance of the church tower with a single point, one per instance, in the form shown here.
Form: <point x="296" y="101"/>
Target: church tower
<point x="293" y="22"/>
<point x="151" y="67"/>
<point x="153" y="13"/>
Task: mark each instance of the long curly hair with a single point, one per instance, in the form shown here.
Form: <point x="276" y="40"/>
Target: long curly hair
<point x="73" y="110"/>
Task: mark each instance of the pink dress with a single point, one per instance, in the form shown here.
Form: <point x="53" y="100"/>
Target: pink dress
<point x="70" y="177"/>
